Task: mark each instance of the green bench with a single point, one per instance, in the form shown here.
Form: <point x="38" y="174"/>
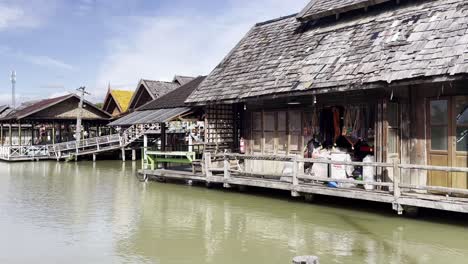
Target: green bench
<point x="178" y="157"/>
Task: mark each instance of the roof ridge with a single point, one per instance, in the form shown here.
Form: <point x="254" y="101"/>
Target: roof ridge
<point x="275" y="20"/>
<point x="146" y="80"/>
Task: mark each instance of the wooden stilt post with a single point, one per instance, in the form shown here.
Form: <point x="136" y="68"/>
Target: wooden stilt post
<point x="396" y="187"/>
<point x="133" y="154"/>
<point x="144" y="158"/>
<point x="94" y="157"/>
<point x="10" y="132"/>
<point x="227" y="173"/>
<point x="208" y="172"/>
<point x="123" y="154"/>
<point x="163" y="141"/>
<point x="32" y="133"/>
<point x="295" y="179"/>
<point x="19" y="133"/>
<point x="53" y="133"/>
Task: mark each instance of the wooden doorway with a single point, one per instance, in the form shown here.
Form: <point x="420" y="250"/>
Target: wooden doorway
<point x="447" y="137"/>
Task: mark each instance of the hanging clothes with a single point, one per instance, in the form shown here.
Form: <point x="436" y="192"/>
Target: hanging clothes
<point x="336" y="124"/>
<point x="348" y="121"/>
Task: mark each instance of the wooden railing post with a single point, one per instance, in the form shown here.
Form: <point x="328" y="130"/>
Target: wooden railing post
<point x="396" y="179"/>
<point x="396" y="187"/>
<point x="295" y="179"/>
<point x="227" y="172"/>
<point x="208" y="172"/>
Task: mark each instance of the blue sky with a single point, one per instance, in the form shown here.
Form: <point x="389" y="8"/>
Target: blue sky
<point x="56" y="46"/>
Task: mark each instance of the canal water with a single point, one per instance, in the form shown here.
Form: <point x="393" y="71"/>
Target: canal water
<point x="100" y="213"/>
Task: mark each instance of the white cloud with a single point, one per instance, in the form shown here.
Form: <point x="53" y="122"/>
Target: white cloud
<point x="41" y="60"/>
<point x="185" y="42"/>
<point x="9" y="15"/>
<point x="28" y="14"/>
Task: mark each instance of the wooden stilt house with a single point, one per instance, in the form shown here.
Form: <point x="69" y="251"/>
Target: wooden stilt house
<point x="386" y="79"/>
<point x="50" y="121"/>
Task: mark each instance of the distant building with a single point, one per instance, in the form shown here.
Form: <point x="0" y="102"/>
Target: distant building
<point x="148" y="90"/>
<point x="50" y="121"/>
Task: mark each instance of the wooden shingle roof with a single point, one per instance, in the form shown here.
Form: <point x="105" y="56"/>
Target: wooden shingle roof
<point x="183" y="79"/>
<point x="321" y="8"/>
<point x="159" y="88"/>
<point x="416" y="41"/>
<point x="175" y="98"/>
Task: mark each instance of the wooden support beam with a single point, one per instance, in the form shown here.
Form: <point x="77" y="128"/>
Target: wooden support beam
<point x="295" y="179"/>
<point x="53" y="133"/>
<point x="227" y="173"/>
<point x="396" y="179"/>
<point x="10" y="132"/>
<point x="207" y="160"/>
<point x="19" y="133"/>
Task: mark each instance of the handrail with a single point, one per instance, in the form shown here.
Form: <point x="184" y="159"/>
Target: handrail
<point x="395" y="167"/>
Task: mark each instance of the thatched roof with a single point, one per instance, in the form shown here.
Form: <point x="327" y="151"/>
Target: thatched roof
<point x="417" y="41"/>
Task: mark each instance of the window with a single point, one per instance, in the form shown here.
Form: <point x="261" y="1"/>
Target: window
<point x="269" y="131"/>
<point x="257" y="131"/>
<point x="439" y="125"/>
<point x="393" y="128"/>
<point x="282" y="133"/>
<point x="295" y="125"/>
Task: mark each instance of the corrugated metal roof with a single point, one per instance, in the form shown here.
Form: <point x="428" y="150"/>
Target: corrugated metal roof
<point x="150" y="116"/>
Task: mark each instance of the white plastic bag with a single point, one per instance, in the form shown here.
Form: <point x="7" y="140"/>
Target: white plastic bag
<point x="321" y="169"/>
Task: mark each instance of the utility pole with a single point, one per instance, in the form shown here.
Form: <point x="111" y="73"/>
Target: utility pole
<point x="13" y="89"/>
<point x="82" y="91"/>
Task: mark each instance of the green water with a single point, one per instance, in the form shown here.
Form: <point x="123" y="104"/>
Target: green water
<point x="83" y="213"/>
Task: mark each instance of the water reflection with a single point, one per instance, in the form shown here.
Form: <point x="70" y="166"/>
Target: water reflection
<point x="85" y="213"/>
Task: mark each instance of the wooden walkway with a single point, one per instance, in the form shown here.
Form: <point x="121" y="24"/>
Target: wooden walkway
<point x="71" y="149"/>
<point x="400" y="196"/>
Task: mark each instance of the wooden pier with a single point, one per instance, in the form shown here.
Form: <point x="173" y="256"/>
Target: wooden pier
<point x="401" y="196"/>
<point x="73" y="149"/>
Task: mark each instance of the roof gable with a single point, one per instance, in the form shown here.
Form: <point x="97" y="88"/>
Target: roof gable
<point x="182" y="79"/>
<point x="122" y="99"/>
<point x="419" y="40"/>
<point x="321" y="8"/>
<point x="154" y="89"/>
<point x="175" y="98"/>
<point x="159" y="88"/>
